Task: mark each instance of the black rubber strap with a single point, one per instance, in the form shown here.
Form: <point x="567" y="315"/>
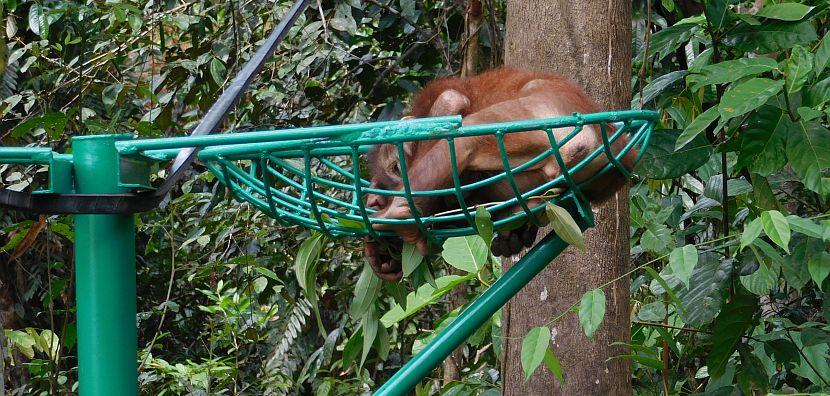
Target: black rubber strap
<point x="144" y="201"/>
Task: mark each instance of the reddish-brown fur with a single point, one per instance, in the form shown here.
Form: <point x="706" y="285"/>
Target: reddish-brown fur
<point x="499" y="95"/>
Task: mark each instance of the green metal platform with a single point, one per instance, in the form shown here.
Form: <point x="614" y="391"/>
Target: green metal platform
<point x="310" y="177"/>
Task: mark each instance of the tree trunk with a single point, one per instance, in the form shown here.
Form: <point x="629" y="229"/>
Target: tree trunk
<point x="473" y="18"/>
<point x="590" y="42"/>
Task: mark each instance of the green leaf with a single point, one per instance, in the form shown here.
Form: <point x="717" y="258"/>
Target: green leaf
<point x="305" y="269"/>
<point x="423" y="296"/>
<point x="784" y="11"/>
<point x="795" y="268"/>
<point x="305" y="263"/>
<point x="698" y="125"/>
<point x="763" y="279"/>
<point x="730" y="71"/>
<point x="365" y="291"/>
<point x="652" y="312"/>
<point x="682" y="262"/>
<point x="735" y="319"/>
<point x="484" y="225"/>
<point x="717" y="13"/>
<point x="565" y="226"/>
<point x="534" y="347"/>
<point x="662" y="162"/>
<point x="218" y="71"/>
<point x="763" y="141"/>
<point x="808" y="113"/>
<point x="752" y="376"/>
<point x="411" y="258"/>
<point x="53" y="123"/>
<point x="799" y="66"/>
<point x="109" y="95"/>
<point x="783" y="351"/>
<point x="702" y="299"/>
<point x="591" y="311"/>
<point x="770" y="37"/>
<point x="667" y="40"/>
<point x="657" y="86"/>
<point x="23" y="341"/>
<point x="811" y="336"/>
<point x="369" y="324"/>
<point x="468" y="253"/>
<point x="819" y="267"/>
<point x="748" y="96"/>
<point x="777" y="228"/>
<point x="352" y="348"/>
<point x="751" y="232"/>
<point x="818" y="94"/>
<point x="553" y="365"/>
<point x="808" y="148"/>
<point x="656" y="238"/>
<point x="822" y="55"/>
<point x="805" y="226"/>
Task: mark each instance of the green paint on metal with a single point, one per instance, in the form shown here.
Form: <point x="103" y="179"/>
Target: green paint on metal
<point x="481" y="310"/>
<point x="311" y="177"/>
<point x="105" y="278"/>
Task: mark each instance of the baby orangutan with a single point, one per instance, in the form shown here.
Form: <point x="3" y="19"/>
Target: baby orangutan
<point x="500" y="95"/>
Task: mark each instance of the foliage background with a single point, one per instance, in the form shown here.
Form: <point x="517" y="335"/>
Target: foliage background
<point x="729" y="211"/>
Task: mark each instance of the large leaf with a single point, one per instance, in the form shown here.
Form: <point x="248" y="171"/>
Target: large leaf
<point x="698" y="125"/>
<point x="777" y="228"/>
<point x="819" y="267"/>
<point x="822" y="55"/>
<point x="661" y="161"/>
<point x="656" y="238"/>
<point x="794" y="267"/>
<point x="591" y="311"/>
<point x="762" y="280"/>
<point x="748" y="96"/>
<point x="468" y="253"/>
<point x="735" y="319"/>
<point x="729" y="71"/>
<point x="717" y="13"/>
<point x="818" y="94"/>
<point x="703" y="298"/>
<point x="305" y="269"/>
<point x="682" y="262"/>
<point x="534" y="347"/>
<point x="751" y="232"/>
<point x="365" y="291"/>
<point x="484" y="225"/>
<point x="808" y="148"/>
<point x="770" y="37"/>
<point x="656" y="86"/>
<point x="669" y="39"/>
<point x="763" y="141"/>
<point x="423" y="296"/>
<point x="752" y="376"/>
<point x="784" y="11"/>
<point x="799" y="66"/>
<point x="410" y="259"/>
<point x="564" y="225"/>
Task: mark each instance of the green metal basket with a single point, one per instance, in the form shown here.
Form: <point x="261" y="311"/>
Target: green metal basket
<point x="312" y="177"/>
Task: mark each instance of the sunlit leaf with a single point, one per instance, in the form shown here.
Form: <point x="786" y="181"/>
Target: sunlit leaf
<point x="534" y="347"/>
<point x="591" y="311"/>
<point x="565" y="226"/>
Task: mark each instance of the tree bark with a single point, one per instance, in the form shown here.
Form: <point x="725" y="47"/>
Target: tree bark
<point x="590" y="42"/>
<point x="473" y="18"/>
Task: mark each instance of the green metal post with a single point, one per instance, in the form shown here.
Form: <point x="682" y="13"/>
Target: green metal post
<point x="474" y="316"/>
<point x="105" y="277"/>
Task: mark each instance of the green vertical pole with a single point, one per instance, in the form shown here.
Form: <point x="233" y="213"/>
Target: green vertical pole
<point x="477" y="313"/>
<point x="105" y="277"/>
